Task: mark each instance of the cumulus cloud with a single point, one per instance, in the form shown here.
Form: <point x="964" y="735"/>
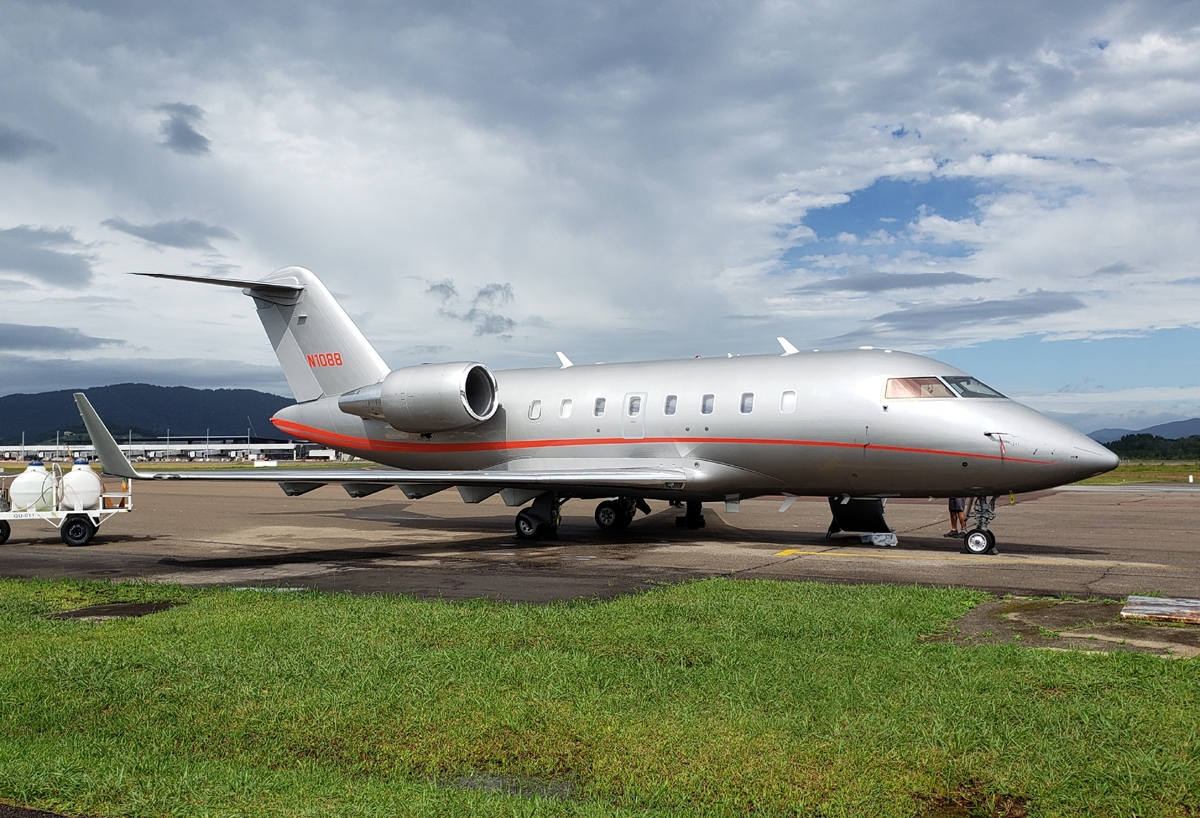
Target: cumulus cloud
<point x="640" y="174"/>
<point x="187" y="234"/>
<point x="25" y="338"/>
<point x="51" y="255"/>
<point x="178" y="129"/>
<point x="481" y="309"/>
<point x="17" y="145"/>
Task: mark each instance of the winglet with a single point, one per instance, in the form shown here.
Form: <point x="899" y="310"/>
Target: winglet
<point x="564" y="360"/>
<point x="788" y="349"/>
<point x="112" y="459"/>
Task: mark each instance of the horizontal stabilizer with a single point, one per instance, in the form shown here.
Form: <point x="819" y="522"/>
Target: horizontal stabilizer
<point x="278" y="285"/>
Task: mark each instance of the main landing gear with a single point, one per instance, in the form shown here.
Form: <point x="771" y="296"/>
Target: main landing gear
<point x="615" y="515"/>
<point x="980" y="540"/>
<point x="693" y="518"/>
<point x="540" y="521"/>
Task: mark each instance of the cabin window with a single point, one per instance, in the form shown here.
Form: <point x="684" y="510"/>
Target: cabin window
<point x="670" y="404"/>
<point x="787" y="402"/>
<point x="635" y="406"/>
<point x="706" y="405"/>
<point x="747" y="404"/>
<point x="916" y="388"/>
<point x="564" y="408"/>
<point x="968" y="387"/>
<point x="598" y="409"/>
<point x="535" y="410"/>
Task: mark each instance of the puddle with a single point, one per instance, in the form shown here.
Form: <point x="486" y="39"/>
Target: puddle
<point x="512" y="785"/>
<point x="120" y="610"/>
<point x="1058" y="625"/>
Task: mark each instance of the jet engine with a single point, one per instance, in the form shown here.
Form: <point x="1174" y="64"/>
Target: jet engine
<point x="428" y="398"/>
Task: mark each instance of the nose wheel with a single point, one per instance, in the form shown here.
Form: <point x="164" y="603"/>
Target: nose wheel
<point x="980" y="540"/>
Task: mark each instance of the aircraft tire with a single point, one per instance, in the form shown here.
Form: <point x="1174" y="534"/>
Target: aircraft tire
<point x="77" y="530"/>
<point x="609" y="516"/>
<point x="979" y="541"/>
<point x="527" y="527"/>
<point x="5" y="530"/>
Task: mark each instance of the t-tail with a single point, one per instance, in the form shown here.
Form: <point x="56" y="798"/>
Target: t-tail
<point x="320" y="349"/>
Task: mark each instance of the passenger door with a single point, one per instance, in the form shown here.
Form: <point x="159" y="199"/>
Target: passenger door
<point x="633" y="416"/>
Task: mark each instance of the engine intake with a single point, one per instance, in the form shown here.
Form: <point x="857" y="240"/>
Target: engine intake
<point x="428" y="398"/>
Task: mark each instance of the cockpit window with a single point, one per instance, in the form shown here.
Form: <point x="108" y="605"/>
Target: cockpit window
<point x="916" y="388"/>
<point x="968" y="387"/>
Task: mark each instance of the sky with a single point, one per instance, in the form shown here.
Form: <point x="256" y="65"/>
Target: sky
<point x="1011" y="188"/>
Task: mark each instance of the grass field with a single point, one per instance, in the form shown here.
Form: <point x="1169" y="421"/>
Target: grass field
<point x="719" y="697"/>
<point x="1148" y="471"/>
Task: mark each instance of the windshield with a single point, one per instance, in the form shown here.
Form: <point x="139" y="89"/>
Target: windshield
<point x="967" y="387"/>
<point x="916" y="388"/>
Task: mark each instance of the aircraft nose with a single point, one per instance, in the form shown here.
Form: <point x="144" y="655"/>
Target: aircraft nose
<point x="1093" y="457"/>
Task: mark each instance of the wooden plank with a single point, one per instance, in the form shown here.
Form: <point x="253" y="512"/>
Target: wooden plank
<point x="1159" y="609"/>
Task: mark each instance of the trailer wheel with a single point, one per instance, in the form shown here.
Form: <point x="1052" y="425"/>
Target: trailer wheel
<point x="5" y="530"/>
<point x="77" y="529"/>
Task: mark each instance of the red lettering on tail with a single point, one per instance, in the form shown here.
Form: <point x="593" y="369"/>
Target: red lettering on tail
<point x="324" y="359"/>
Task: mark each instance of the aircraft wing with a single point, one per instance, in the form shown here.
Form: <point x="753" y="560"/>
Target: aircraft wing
<point x="368" y="480"/>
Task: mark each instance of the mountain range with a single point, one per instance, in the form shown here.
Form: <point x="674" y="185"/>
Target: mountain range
<point x="148" y="411"/>
<point x="1172" y="431"/>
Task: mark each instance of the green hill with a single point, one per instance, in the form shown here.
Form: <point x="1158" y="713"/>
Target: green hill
<point x="149" y="411"/>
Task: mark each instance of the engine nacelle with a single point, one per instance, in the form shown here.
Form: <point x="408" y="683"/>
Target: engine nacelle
<point x="428" y="398"/>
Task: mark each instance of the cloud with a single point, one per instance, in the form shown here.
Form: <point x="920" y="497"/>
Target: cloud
<point x="178" y="132"/>
<point x="51" y="255"/>
<point x="25" y="338"/>
<point x="480" y="310"/>
<point x="865" y="280"/>
<point x="928" y="319"/>
<point x="187" y="234"/>
<point x="25" y="373"/>
<point x="17" y="145"/>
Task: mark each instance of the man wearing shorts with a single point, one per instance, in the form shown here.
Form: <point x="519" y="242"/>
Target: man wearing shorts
<point x="958" y="517"/>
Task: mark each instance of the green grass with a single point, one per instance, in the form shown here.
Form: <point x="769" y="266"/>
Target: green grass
<point x="715" y="698"/>
<point x="1148" y="471"/>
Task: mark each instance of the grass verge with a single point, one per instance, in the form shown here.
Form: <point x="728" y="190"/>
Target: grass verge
<point x="711" y="698"/>
<point x="1147" y="471"/>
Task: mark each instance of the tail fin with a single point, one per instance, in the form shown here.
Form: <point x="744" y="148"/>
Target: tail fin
<point x="320" y="349"/>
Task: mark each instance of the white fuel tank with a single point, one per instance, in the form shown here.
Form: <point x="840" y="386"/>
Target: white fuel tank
<point x="81" y="488"/>
<point x="33" y="489"/>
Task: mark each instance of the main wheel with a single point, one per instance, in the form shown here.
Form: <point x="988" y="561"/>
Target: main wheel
<point x="5" y="530"/>
<point x="609" y="516"/>
<point x="979" y="541"/>
<point x="77" y="530"/>
<point x="527" y="527"/>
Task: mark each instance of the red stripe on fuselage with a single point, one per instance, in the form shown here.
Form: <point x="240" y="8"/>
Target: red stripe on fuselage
<point x="338" y="440"/>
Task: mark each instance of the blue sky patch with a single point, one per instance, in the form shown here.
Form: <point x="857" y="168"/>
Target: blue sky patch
<point x="889" y="205"/>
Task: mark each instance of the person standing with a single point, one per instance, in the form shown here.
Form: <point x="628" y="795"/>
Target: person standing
<point x="958" y="517"/>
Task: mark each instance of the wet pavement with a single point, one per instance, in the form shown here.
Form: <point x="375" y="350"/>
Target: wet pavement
<point x="1082" y="544"/>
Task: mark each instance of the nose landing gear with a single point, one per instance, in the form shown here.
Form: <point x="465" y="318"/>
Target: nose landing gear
<point x="980" y="540"/>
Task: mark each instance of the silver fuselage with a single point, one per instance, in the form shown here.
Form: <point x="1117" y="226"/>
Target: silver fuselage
<point x="842" y="438"/>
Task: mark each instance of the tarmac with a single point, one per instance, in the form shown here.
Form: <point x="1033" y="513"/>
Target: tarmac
<point x="1080" y="542"/>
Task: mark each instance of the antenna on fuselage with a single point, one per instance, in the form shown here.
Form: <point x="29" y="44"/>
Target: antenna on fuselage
<point x="564" y="360"/>
<point x="788" y="348"/>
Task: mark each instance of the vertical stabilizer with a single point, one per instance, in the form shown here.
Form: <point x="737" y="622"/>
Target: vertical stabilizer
<point x="320" y="349"/>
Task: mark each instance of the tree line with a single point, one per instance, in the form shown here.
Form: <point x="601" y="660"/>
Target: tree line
<point x="1153" y="447"/>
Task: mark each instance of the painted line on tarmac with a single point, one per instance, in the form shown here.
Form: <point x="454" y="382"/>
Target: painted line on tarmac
<point x="989" y="560"/>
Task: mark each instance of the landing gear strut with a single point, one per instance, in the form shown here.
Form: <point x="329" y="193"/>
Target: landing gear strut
<point x="540" y="521"/>
<point x="694" y="518"/>
<point x="980" y="540"/>
<point x="614" y="515"/>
